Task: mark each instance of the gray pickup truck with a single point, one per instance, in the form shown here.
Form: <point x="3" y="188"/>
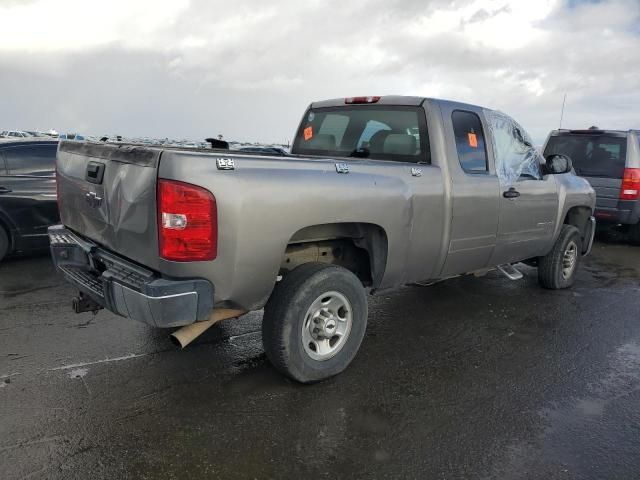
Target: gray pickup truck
<point x="378" y="192"/>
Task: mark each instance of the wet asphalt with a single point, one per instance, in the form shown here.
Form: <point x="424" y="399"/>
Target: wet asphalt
<point x="469" y="378"/>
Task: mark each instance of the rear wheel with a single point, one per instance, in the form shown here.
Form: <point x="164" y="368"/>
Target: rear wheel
<point x="634" y="234"/>
<point x="314" y="322"/>
<point x="558" y="268"/>
<point x="4" y="243"/>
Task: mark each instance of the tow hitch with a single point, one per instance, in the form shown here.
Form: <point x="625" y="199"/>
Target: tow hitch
<point x="83" y="303"/>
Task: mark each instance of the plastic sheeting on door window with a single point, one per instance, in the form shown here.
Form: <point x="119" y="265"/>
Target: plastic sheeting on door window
<point x="513" y="149"/>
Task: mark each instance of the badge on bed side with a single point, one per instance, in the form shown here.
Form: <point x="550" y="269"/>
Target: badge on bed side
<point x="342" y="167"/>
<point x="225" y="164"/>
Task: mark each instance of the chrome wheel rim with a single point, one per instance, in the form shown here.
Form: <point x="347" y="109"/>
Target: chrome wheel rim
<point x="569" y="259"/>
<point x="326" y="326"/>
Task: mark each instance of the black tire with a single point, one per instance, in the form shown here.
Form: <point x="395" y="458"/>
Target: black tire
<point x="551" y="267"/>
<point x="287" y="312"/>
<point x="634" y="234"/>
<point x="4" y="242"/>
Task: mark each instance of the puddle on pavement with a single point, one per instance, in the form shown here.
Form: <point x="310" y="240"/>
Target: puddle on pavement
<point x="575" y="432"/>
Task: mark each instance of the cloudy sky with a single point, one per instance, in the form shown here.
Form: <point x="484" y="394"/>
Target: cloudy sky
<point x="247" y="69"/>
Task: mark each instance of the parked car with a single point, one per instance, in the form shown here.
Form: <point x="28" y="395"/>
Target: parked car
<point x="27" y="194"/>
<point x="610" y="161"/>
<point x="14" y="134"/>
<point x="377" y="193"/>
<point x="35" y="133"/>
<point x="71" y="136"/>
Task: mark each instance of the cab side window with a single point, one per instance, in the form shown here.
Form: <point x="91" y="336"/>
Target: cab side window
<point x="38" y="160"/>
<point x="470" y="142"/>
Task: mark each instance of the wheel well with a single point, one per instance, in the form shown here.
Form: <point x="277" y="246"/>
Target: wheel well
<point x="579" y="218"/>
<point x="358" y="247"/>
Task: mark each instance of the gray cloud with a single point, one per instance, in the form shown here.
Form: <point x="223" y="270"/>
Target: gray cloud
<point x="249" y="72"/>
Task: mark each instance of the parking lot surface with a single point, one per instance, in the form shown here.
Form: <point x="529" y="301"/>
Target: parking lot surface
<point x="469" y="378"/>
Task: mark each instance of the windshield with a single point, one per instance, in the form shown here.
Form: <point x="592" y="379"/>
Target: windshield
<point x="364" y="131"/>
<point x="592" y="155"/>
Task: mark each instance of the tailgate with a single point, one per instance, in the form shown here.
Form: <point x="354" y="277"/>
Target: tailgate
<point x="607" y="191"/>
<point x="107" y="193"/>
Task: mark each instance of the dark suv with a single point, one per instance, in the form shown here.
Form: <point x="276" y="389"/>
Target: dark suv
<point x="27" y="194"/>
<point x="610" y="161"/>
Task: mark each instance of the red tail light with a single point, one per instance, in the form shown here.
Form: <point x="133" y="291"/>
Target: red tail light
<point x="630" y="189"/>
<point x="352" y="100"/>
<point x="187" y="222"/>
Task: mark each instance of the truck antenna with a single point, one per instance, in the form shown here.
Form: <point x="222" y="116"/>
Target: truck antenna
<point x="564" y="99"/>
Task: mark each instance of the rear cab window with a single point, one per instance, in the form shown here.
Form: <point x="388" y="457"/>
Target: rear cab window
<point x="592" y="154"/>
<point x="384" y="132"/>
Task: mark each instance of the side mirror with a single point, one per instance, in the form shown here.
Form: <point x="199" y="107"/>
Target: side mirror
<point x="557" y="164"/>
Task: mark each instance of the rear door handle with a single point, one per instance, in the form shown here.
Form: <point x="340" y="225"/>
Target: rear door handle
<point x="5" y="190"/>
<point x="511" y="193"/>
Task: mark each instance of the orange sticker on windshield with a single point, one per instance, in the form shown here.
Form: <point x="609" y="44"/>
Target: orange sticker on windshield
<point x="308" y="133"/>
<point x="473" y="140"/>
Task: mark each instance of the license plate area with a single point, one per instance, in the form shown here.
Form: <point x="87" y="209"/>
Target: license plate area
<point x="86" y="260"/>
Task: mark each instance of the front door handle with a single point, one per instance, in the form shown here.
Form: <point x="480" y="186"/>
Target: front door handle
<point x="5" y="190"/>
<point x="511" y="193"/>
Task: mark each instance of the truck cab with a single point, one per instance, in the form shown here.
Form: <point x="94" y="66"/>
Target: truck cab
<point x="504" y="204"/>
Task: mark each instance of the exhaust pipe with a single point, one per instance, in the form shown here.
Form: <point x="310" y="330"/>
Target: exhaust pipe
<point x="187" y="334"/>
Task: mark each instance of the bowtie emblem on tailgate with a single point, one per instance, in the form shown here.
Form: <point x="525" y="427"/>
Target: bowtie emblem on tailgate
<point x="92" y="199"/>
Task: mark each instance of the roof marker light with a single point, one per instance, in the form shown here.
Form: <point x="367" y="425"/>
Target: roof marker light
<point x="357" y="100"/>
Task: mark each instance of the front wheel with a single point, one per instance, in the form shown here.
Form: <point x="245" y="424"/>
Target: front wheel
<point x="558" y="268"/>
<point x="314" y="322"/>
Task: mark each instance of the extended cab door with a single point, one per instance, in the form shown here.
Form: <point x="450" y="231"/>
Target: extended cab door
<point x="528" y="200"/>
<point x="474" y="190"/>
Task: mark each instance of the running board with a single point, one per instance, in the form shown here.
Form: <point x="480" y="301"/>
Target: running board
<point x="510" y="271"/>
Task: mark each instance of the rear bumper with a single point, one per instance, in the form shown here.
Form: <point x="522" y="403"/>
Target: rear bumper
<point x="627" y="212"/>
<point x="128" y="289"/>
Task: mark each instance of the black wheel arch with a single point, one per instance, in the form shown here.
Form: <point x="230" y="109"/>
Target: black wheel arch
<point x="361" y="248"/>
